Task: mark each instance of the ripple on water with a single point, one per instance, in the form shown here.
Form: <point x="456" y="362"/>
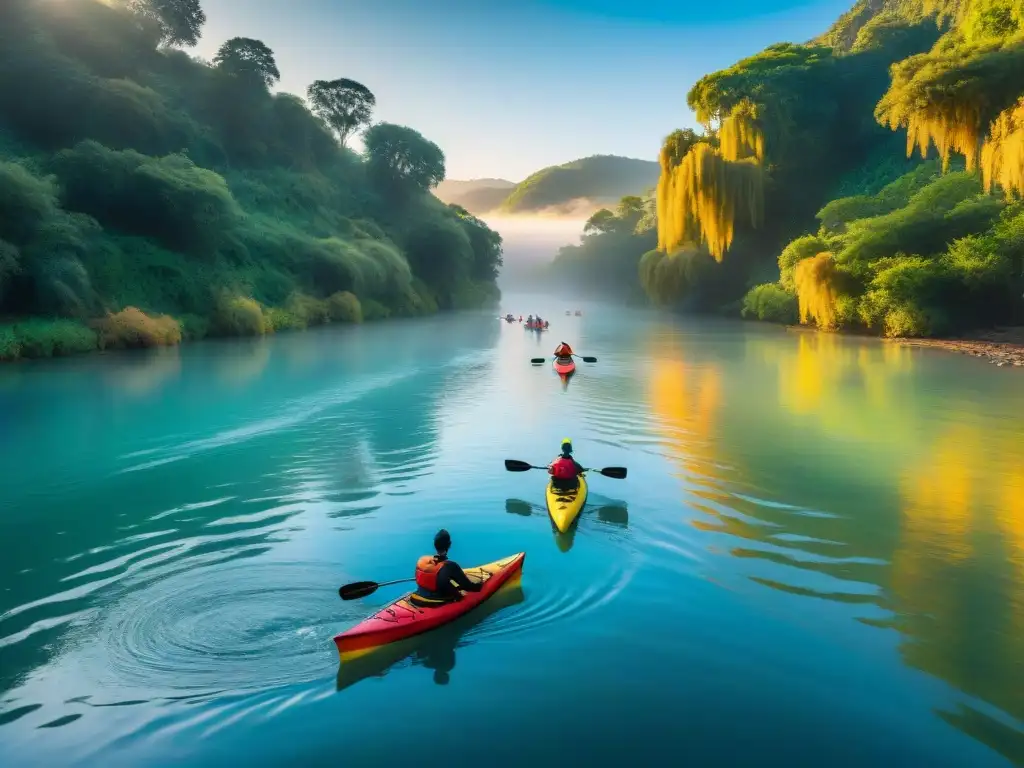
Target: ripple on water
<point x="244" y="626"/>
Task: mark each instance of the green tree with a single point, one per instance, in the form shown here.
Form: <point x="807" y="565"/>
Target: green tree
<point x="245" y="57"/>
<point x="402" y="159"/>
<point x="180" y="22"/>
<point x="343" y="104"/>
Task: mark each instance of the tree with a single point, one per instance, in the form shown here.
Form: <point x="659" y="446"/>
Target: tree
<point x="180" y="21"/>
<point x="344" y="105"/>
<point x="401" y="157"/>
<point x="245" y="57"/>
<point x="602" y="222"/>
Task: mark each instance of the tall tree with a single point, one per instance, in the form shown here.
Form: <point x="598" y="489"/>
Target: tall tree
<point x="343" y="104"/>
<point x="180" y="21"/>
<point x="246" y="57"/>
<point x="401" y="157"/>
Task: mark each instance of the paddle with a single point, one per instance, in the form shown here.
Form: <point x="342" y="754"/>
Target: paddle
<point x="514" y="465"/>
<point x="538" y="360"/>
<point x="364" y="588"/>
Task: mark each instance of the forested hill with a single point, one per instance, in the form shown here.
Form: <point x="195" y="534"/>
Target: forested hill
<point x="799" y="199"/>
<point x="571" y="188"/>
<point x="146" y="196"/>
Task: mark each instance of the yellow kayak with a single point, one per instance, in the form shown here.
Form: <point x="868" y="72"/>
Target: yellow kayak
<point x="564" y="506"/>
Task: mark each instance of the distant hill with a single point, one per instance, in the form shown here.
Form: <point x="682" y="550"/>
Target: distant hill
<point x="582" y="185"/>
<point x="579" y="187"/>
<point x="476" y="195"/>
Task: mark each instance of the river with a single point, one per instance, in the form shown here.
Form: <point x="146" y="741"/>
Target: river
<point x="817" y="557"/>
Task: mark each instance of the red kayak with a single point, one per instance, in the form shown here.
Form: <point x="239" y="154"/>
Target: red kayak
<point x="564" y="365"/>
<point x="402" y="619"/>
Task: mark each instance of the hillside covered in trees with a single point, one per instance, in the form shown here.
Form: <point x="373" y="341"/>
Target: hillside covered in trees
<point x="146" y="196"/>
<point x="869" y="180"/>
<point x="580" y="185"/>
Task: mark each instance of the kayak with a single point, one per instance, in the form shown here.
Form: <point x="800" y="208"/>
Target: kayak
<point x="564" y="365"/>
<point x="564" y="506"/>
<point x="402" y="619"/>
<point x="535" y="328"/>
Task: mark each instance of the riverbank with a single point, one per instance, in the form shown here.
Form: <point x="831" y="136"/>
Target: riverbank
<point x="1000" y="346"/>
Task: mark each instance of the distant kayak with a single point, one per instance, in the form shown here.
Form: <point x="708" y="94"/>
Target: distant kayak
<point x="564" y="506"/>
<point x="564" y="365"/>
<point x="402" y="619"/>
<point x="534" y="327"/>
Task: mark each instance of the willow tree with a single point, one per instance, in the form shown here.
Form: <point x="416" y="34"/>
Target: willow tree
<point x="1002" y="158"/>
<point x="816" y="281"/>
<point x="949" y="96"/>
<point x="700" y="197"/>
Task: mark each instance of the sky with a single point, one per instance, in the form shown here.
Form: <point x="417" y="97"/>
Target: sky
<point x="508" y="87"/>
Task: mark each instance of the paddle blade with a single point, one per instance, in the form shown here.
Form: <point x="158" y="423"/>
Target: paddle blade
<point x="513" y="465"/>
<point x="619" y="473"/>
<point x="589" y="359"/>
<point x="357" y="590"/>
<point x="536" y="360"/>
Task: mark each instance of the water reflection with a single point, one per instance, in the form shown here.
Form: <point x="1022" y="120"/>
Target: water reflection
<point x="615" y="514"/>
<point x="433" y="650"/>
<point x="852" y="480"/>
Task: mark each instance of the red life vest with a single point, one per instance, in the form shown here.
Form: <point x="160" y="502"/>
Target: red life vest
<point x="564" y="468"/>
<point x="427" y="568"/>
<point x="564" y="350"/>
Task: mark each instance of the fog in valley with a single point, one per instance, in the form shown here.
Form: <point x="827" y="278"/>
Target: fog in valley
<point x="530" y="244"/>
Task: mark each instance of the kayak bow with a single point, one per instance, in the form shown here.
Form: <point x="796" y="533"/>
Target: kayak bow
<point x="401" y="619"/>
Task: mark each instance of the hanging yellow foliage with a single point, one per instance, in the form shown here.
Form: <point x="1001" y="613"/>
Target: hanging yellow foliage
<point x="698" y="199"/>
<point x="816" y="291"/>
<point x="950" y="127"/>
<point x="1002" y="158"/>
<point x="739" y="136"/>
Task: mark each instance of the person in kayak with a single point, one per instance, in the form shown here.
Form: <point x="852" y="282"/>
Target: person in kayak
<point x="563" y="350"/>
<point x="435" y="574"/>
<point x="529" y="319"/>
<point x="565" y="471"/>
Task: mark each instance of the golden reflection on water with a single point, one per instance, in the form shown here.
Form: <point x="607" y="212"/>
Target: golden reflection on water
<point x="945" y="453"/>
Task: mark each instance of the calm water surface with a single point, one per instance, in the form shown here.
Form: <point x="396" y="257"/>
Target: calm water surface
<point x="817" y="557"/>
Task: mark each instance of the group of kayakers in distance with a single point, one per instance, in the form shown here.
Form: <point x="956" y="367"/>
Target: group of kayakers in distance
<point x="531" y="321"/>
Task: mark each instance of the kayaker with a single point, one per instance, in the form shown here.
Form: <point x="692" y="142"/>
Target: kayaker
<point x="529" y="320"/>
<point x="565" y="471"/>
<point x="435" y="574"/>
<point x="563" y="350"/>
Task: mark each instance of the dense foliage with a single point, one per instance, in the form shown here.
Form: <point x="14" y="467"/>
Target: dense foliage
<point x="146" y="196"/>
<point x="804" y="132"/>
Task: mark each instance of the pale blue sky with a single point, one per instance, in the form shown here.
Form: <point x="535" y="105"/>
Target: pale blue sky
<point x="506" y="88"/>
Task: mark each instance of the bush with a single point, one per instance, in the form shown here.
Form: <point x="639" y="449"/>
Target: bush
<point x="239" y="316"/>
<point x="374" y="310"/>
<point x="193" y="327"/>
<point x="45" y="338"/>
<point x="279" y="319"/>
<point x="310" y="311"/>
<point x="345" y="307"/>
<point x="131" y="328"/>
<point x="772" y="303"/>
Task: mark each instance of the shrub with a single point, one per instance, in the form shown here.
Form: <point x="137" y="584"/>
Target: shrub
<point x="239" y="316"/>
<point x="131" y="328"/>
<point x="308" y="310"/>
<point x="772" y="303"/>
<point x="193" y="327"/>
<point x="45" y="338"/>
<point x="374" y="310"/>
<point x="345" y="307"/>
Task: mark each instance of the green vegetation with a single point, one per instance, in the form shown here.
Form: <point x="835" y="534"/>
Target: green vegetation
<point x="559" y="189"/>
<point x="147" y="197"/>
<point x="801" y="138"/>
